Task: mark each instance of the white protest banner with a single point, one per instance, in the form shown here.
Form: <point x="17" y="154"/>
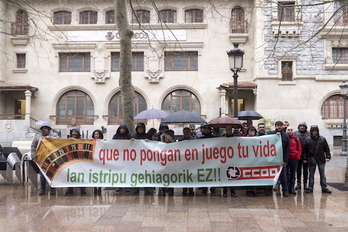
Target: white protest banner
<point x="242" y="161"/>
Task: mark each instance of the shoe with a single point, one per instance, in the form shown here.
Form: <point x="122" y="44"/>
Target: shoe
<point x="276" y="187"/>
<point x="277" y="192"/>
<point x="326" y="191"/>
<point x="184" y="193"/>
<point x="203" y="193"/>
<point x="298" y="186"/>
<point x="83" y="192"/>
<point x="42" y="192"/>
<point x="233" y="193"/>
<point x="69" y="192"/>
<point x="286" y="193"/>
<point x="212" y="193"/>
<point x="292" y="191"/>
<point x="224" y="195"/>
<point x="309" y="190"/>
<point x="53" y="192"/>
<point x="191" y="193"/>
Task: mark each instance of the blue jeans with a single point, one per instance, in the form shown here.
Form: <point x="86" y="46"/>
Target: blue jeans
<point x="291" y="171"/>
<point x="321" y="168"/>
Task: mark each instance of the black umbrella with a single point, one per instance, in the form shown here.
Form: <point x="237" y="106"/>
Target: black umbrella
<point x="249" y="115"/>
<point x="183" y="117"/>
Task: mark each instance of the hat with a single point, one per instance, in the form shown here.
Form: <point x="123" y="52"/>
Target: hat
<point x="278" y="123"/>
<point x="45" y="124"/>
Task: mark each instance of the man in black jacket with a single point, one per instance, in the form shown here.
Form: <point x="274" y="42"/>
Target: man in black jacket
<point x="302" y="133"/>
<point x="316" y="152"/>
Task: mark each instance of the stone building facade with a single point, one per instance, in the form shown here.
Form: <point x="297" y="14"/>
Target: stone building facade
<point x="59" y="62"/>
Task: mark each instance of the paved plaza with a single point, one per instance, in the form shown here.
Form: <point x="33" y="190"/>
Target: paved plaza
<point x="22" y="209"/>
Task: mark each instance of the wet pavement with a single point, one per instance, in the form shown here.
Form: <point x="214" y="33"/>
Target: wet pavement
<point x="22" y="209"/>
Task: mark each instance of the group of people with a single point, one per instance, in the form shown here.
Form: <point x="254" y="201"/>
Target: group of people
<point x="303" y="151"/>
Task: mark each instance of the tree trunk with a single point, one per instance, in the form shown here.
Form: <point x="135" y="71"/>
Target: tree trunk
<point x="125" y="81"/>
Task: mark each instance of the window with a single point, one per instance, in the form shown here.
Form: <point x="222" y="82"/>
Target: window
<point x="181" y="100"/>
<point x="340" y="55"/>
<point x="181" y="61"/>
<point x="194" y="16"/>
<point x="88" y="17"/>
<point x="22" y="23"/>
<point x="287" y="74"/>
<point x="110" y="17"/>
<point x="141" y="16"/>
<point x="137" y="61"/>
<point x="74" y="62"/>
<point x="333" y="108"/>
<point x="238" y="22"/>
<point x="286" y="11"/>
<point x="21" y="60"/>
<point x="75" y="107"/>
<point x="62" y="17"/>
<point x="167" y="16"/>
<point x="341" y="15"/>
<point x="116" y="110"/>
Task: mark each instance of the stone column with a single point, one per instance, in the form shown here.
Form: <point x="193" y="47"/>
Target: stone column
<point x="223" y="102"/>
<point x="27" y="104"/>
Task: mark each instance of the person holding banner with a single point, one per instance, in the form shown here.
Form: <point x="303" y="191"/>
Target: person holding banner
<point x="75" y="134"/>
<point x="229" y="133"/>
<point x="97" y="134"/>
<point x="46" y="132"/>
<point x="206" y="133"/>
<point x="122" y="132"/>
<point x="187" y="135"/>
<point x="168" y="137"/>
<point x="286" y="152"/>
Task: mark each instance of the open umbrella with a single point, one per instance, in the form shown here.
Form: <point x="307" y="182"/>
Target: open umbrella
<point x="183" y="117"/>
<point x="151" y="114"/>
<point x="249" y="115"/>
<point x="222" y="122"/>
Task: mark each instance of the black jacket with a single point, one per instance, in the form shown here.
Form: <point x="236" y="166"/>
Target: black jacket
<point x="318" y="147"/>
<point x="285" y="144"/>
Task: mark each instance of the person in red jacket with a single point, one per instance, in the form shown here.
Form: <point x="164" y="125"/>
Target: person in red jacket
<point x="295" y="154"/>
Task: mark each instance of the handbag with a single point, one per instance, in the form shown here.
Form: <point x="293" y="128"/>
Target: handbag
<point x="311" y="161"/>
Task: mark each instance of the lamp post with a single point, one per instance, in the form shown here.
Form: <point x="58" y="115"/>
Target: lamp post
<point x="344" y="92"/>
<point x="235" y="56"/>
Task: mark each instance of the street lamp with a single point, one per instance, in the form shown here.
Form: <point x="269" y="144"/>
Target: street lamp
<point x="235" y="56"/>
<point x="344" y="92"/>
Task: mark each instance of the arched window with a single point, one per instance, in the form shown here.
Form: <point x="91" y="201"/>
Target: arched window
<point x="110" y="17"/>
<point x="62" y="17"/>
<point x="22" y="23"/>
<point x="88" y="17"/>
<point x="181" y="100"/>
<point x="333" y="108"/>
<point x="238" y="22"/>
<point x="194" y="16"/>
<point x="75" y="107"/>
<point x="341" y="15"/>
<point x="141" y="16"/>
<point x="167" y="16"/>
<point x="116" y="111"/>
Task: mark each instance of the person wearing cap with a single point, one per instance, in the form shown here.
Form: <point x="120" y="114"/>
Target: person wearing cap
<point x="286" y="152"/>
<point x="192" y="128"/>
<point x="75" y="134"/>
<point x="45" y="132"/>
<point x="317" y="148"/>
<point x="206" y="133"/>
<point x="302" y="133"/>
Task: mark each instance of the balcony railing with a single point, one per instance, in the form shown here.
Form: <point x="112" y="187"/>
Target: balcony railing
<point x="74" y="119"/>
<point x="239" y="26"/>
<point x="12" y="116"/>
<point x="329" y="19"/>
<point x="118" y="119"/>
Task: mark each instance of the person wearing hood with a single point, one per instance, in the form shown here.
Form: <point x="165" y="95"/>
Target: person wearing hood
<point x="75" y="134"/>
<point x="140" y="131"/>
<point x="162" y="128"/>
<point x="97" y="134"/>
<point x="45" y="132"/>
<point x="302" y="133"/>
<point x="122" y="132"/>
<point x="316" y="153"/>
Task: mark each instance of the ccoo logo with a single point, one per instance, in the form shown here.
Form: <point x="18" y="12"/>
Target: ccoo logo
<point x="233" y="173"/>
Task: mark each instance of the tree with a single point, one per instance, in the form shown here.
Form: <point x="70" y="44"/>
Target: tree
<point x="125" y="81"/>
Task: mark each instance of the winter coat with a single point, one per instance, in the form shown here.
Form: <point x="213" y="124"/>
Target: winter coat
<point x="316" y="147"/>
<point x="137" y="134"/>
<point x="37" y="139"/>
<point x="295" y="148"/>
<point x="120" y="135"/>
<point x="285" y="145"/>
